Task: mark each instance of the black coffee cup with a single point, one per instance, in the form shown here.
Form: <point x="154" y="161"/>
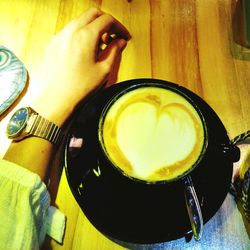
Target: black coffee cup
<point x="144" y="211"/>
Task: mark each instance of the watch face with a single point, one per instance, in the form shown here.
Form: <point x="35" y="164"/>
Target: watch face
<point x="17" y="122"/>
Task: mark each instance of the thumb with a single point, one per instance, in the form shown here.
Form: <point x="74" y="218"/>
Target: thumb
<point x="112" y="51"/>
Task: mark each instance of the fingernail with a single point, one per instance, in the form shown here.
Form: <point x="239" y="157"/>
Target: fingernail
<point x="122" y="44"/>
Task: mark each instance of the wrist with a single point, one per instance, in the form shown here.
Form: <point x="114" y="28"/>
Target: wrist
<point x="52" y="112"/>
<point x="27" y="122"/>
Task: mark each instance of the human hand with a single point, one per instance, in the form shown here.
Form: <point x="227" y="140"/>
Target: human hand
<point x="74" y="65"/>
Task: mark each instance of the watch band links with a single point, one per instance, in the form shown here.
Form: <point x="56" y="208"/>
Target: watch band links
<point x="46" y="129"/>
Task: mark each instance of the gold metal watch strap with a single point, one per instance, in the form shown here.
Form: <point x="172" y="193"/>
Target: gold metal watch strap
<point x="46" y="129"/>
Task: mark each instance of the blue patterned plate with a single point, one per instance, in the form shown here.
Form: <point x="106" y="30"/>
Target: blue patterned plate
<point x="13" y="77"/>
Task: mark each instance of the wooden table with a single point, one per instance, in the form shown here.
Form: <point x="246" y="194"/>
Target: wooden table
<point x="188" y="42"/>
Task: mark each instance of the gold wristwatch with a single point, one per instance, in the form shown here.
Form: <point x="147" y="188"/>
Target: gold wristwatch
<point x="27" y="122"/>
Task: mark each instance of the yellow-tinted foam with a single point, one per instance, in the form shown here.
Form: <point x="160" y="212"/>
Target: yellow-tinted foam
<point x="153" y="134"/>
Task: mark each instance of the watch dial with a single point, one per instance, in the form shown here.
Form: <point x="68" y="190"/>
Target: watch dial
<point x="17" y="122"/>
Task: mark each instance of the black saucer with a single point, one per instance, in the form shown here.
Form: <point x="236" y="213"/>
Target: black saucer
<point x="126" y="216"/>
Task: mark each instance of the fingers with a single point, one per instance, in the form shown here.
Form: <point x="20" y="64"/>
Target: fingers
<point x="102" y="23"/>
<point x="106" y="38"/>
<point x="108" y="24"/>
<point x="111" y="53"/>
<point x="88" y="16"/>
<point x="102" y="28"/>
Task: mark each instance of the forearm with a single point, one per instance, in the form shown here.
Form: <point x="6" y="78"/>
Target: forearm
<point x="74" y="66"/>
<point x="32" y="153"/>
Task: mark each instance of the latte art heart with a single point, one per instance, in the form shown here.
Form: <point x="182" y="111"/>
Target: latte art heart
<point x="149" y="139"/>
<point x="153" y="134"/>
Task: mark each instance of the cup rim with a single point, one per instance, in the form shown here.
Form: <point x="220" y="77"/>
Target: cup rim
<point x="137" y="85"/>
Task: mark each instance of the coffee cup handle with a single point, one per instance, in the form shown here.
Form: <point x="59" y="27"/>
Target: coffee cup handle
<point x="193" y="208"/>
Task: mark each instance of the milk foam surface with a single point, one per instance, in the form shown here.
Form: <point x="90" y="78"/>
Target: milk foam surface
<point x="153" y="134"/>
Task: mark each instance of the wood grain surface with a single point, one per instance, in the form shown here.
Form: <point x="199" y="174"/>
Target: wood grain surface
<point x="189" y="42"/>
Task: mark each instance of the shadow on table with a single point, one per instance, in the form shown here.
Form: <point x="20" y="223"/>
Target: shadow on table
<point x="240" y="36"/>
